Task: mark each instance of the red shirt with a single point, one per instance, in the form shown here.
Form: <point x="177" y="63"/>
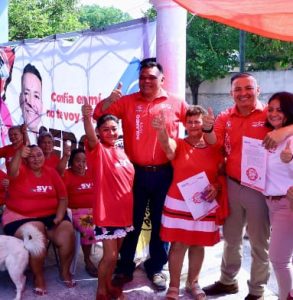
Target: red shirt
<point x="113" y="180"/>
<point x="52" y="161"/>
<point x="8" y="152"/>
<point x="2" y="190"/>
<point x="231" y="126"/>
<point x="34" y="196"/>
<point x="140" y="138"/>
<point x="190" y="161"/>
<point x="80" y="189"/>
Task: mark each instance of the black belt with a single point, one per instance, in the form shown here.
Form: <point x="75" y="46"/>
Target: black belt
<point x="234" y="179"/>
<point x="275" y="198"/>
<point x="154" y="168"/>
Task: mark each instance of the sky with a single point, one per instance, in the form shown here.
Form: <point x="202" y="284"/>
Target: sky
<point x="133" y="7"/>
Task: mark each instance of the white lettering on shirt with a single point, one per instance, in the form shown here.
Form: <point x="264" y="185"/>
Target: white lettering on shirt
<point x="85" y="186"/>
<point x="42" y="188"/>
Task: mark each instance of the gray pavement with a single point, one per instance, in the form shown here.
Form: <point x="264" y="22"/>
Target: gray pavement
<point x="140" y="287"/>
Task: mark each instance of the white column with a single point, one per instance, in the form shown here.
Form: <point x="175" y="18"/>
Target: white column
<point x="3" y="21"/>
<point x="171" y="44"/>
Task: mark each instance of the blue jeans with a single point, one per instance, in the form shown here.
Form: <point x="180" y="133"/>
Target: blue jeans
<point x="149" y="188"/>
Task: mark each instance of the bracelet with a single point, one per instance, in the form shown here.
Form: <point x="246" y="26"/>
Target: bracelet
<point x="207" y="130"/>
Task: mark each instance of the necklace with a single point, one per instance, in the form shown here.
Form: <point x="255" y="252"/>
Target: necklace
<point x="200" y="144"/>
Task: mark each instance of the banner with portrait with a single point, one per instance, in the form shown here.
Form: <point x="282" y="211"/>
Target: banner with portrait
<point x="88" y="66"/>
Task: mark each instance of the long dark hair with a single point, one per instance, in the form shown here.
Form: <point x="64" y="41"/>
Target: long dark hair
<point x="286" y="105"/>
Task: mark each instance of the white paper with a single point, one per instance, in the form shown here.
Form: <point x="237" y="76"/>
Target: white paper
<point x="191" y="190"/>
<point x="253" y="164"/>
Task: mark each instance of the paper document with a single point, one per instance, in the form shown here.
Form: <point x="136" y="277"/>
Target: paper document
<point x="192" y="191"/>
<point x="253" y="164"/>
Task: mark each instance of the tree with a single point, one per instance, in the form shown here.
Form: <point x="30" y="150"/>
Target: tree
<point x="97" y="17"/>
<point x="39" y="18"/>
<point x="267" y="54"/>
<point x="211" y="52"/>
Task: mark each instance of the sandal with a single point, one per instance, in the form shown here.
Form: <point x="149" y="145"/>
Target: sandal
<point x="172" y="293"/>
<point x="68" y="283"/>
<point x="39" y="291"/>
<point x="196" y="292"/>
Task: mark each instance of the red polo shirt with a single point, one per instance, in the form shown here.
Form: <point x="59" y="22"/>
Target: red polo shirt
<point x="140" y="138"/>
<point x="231" y="126"/>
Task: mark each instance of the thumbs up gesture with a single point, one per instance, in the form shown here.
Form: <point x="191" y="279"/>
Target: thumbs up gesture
<point x="286" y="155"/>
<point x="159" y="122"/>
<point x="208" y="121"/>
<point x="86" y="109"/>
<point x="116" y="94"/>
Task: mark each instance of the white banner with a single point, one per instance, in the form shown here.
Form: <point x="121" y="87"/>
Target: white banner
<point x="85" y="67"/>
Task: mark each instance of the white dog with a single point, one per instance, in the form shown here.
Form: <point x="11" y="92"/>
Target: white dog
<point x="14" y="254"/>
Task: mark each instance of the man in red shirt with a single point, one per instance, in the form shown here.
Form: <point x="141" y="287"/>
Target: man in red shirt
<point x="153" y="172"/>
<point x="247" y="206"/>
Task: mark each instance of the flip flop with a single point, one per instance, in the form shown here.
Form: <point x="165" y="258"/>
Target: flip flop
<point x="68" y="283"/>
<point x="39" y="291"/>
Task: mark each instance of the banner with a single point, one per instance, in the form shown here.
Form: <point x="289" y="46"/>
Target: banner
<point x="88" y="66"/>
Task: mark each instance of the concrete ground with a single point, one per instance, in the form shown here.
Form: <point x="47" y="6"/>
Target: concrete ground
<point x="140" y="288"/>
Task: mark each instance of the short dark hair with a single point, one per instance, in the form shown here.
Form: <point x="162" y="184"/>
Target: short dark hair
<point x="150" y="63"/>
<point x="240" y="75"/>
<point x="31" y="69"/>
<point x="43" y="135"/>
<point x="286" y="105"/>
<point x="195" y="110"/>
<point x="17" y="127"/>
<point x="74" y="152"/>
<point x="104" y="118"/>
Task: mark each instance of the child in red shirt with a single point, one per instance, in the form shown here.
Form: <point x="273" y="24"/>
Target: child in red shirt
<point x="113" y="178"/>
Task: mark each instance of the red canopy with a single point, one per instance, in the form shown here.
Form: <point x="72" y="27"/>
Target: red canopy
<point x="269" y="18"/>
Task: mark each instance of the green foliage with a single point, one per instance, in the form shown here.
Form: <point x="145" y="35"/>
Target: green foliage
<point x="39" y="18"/>
<point x="151" y="14"/>
<point x="267" y="54"/>
<point x="211" y="51"/>
<point x="97" y="17"/>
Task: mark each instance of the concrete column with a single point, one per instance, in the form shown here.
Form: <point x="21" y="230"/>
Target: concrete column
<point x="171" y="44"/>
<point x="3" y="21"/>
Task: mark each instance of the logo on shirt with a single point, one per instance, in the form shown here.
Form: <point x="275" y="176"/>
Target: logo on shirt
<point x="138" y="127"/>
<point x="42" y="188"/>
<point x="85" y="186"/>
<point x="139" y="109"/>
<point x="121" y="163"/>
<point x="258" y="124"/>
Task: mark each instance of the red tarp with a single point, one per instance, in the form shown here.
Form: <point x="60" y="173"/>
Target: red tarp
<point x="269" y="18"/>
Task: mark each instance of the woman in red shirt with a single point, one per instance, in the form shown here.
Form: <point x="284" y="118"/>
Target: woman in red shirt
<point x="37" y="195"/>
<point x="80" y="189"/>
<point x="18" y="138"/>
<point x="113" y="176"/>
<point x="46" y="143"/>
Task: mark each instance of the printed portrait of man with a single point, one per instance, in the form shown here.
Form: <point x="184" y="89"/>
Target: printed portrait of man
<point x="30" y="98"/>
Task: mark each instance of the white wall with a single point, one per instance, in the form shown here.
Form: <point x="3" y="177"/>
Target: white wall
<point x="216" y="93"/>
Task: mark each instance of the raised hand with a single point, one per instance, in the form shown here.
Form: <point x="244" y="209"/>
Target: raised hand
<point x="208" y="120"/>
<point x="159" y="122"/>
<point x="25" y="152"/>
<point x="86" y="109"/>
<point x="286" y="154"/>
<point x="116" y="94"/>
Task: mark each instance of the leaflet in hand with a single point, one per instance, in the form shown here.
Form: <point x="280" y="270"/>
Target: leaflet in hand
<point x="192" y="190"/>
<point x="253" y="163"/>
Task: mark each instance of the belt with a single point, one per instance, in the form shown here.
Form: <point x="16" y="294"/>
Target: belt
<point x="154" y="168"/>
<point x="275" y="198"/>
<point x="234" y="179"/>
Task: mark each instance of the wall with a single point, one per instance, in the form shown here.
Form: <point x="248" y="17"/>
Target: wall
<point x="216" y="93"/>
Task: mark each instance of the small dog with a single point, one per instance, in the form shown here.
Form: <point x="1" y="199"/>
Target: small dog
<point x="14" y="254"/>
